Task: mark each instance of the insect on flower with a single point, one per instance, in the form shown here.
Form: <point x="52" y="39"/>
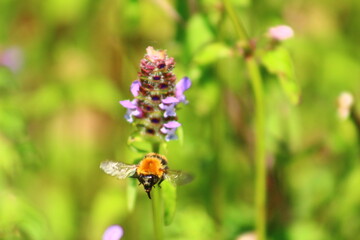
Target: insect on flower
<point x="150" y="171"/>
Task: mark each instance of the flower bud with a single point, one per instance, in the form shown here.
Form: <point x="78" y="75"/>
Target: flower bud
<point x="281" y="32"/>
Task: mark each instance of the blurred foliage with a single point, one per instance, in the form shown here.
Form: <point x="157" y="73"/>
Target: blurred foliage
<point x="60" y="117"/>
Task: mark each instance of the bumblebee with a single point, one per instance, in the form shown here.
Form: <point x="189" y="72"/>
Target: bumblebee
<point x="150" y="171"/>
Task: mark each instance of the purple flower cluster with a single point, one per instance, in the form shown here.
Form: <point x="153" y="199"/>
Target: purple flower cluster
<point x="156" y="96"/>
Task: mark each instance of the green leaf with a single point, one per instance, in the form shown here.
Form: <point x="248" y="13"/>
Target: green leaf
<point x="211" y="53"/>
<point x="198" y="33"/>
<point x="209" y="93"/>
<point x="307" y="230"/>
<point x="169" y="196"/>
<point x="279" y="63"/>
<point x="108" y="206"/>
<point x="97" y="91"/>
<point x="138" y="144"/>
<point x="10" y="158"/>
<point x="7" y="80"/>
<point x="17" y="212"/>
<point x="48" y="99"/>
<point x="64" y="10"/>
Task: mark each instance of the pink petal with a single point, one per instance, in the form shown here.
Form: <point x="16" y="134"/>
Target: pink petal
<point x="184" y="84"/>
<point x="135" y="87"/>
<point x="172" y="124"/>
<point x="281" y="32"/>
<point x="170" y="100"/>
<point x="128" y="104"/>
<point x="114" y="232"/>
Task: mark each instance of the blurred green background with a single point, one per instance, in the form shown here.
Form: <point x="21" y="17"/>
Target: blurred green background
<point x="72" y="61"/>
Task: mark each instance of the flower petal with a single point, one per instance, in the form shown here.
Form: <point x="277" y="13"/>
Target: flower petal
<point x="164" y="130"/>
<point x="128" y="115"/>
<point x="183" y="85"/>
<point x="135" y="87"/>
<point x="172" y="124"/>
<point x="128" y="104"/>
<point x="170" y="113"/>
<point x="114" y="232"/>
<point x="281" y="32"/>
<point x="169" y="109"/>
<point x="171" y="136"/>
<point x="170" y="133"/>
<point x="170" y="100"/>
<point x="155" y="54"/>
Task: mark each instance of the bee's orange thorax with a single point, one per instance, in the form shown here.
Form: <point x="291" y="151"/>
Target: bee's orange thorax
<point x="151" y="166"/>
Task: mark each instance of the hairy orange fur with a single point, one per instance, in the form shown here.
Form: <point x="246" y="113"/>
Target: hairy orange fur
<point x="151" y="166"/>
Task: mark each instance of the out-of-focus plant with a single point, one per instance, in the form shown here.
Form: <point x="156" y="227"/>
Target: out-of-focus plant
<point x="277" y="61"/>
<point x="11" y="58"/>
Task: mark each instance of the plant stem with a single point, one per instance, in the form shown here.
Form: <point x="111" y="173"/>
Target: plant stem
<point x="260" y="164"/>
<point x="156" y="147"/>
<point x="157" y="205"/>
<point x="239" y="27"/>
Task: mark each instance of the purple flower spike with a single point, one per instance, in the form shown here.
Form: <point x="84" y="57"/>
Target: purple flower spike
<point x="183" y="85"/>
<point x="114" y="232"/>
<point x="135" y="87"/>
<point x="156" y="96"/>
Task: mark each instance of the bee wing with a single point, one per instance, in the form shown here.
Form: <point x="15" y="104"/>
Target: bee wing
<point x="178" y="177"/>
<point x="118" y="169"/>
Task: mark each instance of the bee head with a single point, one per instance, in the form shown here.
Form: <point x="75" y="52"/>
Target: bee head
<point x="148" y="181"/>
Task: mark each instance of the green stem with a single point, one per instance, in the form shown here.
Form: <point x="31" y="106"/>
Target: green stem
<point x="156" y="147"/>
<point x="239" y="27"/>
<point x="157" y="205"/>
<point x="260" y="164"/>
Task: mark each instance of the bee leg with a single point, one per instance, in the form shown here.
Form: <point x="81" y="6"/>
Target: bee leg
<point x="161" y="180"/>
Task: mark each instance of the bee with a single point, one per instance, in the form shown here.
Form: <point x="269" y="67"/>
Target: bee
<point x="150" y="171"/>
